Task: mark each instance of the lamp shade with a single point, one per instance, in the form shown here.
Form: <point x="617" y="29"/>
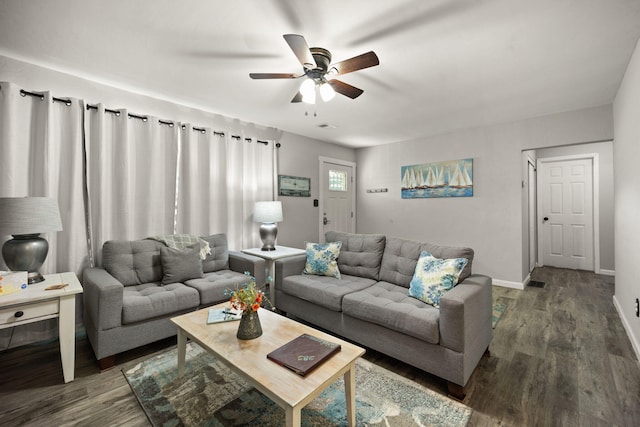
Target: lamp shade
<point x="267" y="212"/>
<point x="29" y="215"/>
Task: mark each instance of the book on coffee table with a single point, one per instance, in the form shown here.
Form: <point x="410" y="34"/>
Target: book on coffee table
<point x="303" y="354"/>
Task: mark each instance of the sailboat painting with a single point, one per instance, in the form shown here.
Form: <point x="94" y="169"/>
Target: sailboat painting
<point x="452" y="178"/>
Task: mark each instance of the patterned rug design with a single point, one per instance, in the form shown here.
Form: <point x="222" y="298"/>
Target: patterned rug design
<point x="210" y="394"/>
<point x="498" y="311"/>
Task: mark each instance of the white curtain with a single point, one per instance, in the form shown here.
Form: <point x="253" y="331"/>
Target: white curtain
<point x="131" y="176"/>
<point x="221" y="177"/>
<point x="137" y="177"/>
<point x="41" y="155"/>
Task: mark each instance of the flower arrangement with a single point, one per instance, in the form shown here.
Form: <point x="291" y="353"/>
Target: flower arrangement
<point x="248" y="297"/>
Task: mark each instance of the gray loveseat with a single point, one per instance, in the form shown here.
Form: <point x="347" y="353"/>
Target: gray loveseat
<point x="129" y="301"/>
<point x="370" y="305"/>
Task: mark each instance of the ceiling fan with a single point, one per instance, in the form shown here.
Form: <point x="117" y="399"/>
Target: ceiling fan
<point x="317" y="67"/>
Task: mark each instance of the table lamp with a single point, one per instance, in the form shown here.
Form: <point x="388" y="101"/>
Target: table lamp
<point x="25" y="218"/>
<point x="268" y="213"/>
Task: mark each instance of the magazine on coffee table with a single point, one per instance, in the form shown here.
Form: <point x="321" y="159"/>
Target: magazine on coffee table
<point x="217" y="315"/>
<point x="303" y="354"/>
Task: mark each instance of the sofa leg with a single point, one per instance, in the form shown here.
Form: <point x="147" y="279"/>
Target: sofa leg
<point x="456" y="391"/>
<point x="107" y="362"/>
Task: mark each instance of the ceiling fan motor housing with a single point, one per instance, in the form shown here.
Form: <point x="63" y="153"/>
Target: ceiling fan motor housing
<point x="323" y="59"/>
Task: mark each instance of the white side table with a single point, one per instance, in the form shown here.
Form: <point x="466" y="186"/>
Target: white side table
<point x="35" y="304"/>
<point x="271" y="257"/>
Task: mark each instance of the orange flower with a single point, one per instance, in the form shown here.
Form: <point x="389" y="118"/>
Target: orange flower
<point x="247" y="297"/>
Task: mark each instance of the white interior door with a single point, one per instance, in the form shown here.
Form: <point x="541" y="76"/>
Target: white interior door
<point x="337" y="196"/>
<point x="565" y="213"/>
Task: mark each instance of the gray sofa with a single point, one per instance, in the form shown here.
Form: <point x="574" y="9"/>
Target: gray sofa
<point x="129" y="301"/>
<point x="370" y="305"/>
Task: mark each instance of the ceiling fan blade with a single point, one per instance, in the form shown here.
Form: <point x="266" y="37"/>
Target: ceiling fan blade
<point x="297" y="98"/>
<point x="366" y="60"/>
<point x="345" y="89"/>
<point x="272" y="76"/>
<point x="300" y="48"/>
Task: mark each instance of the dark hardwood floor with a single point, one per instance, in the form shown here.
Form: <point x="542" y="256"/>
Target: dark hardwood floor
<point x="559" y="356"/>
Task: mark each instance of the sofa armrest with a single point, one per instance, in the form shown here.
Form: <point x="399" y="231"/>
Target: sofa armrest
<point x="102" y="298"/>
<point x="241" y="262"/>
<point x="465" y="314"/>
<point x="290" y="266"/>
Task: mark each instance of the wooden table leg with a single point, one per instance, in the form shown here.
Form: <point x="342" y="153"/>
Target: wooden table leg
<point x="182" y="351"/>
<point x="350" y="394"/>
<point x="293" y="417"/>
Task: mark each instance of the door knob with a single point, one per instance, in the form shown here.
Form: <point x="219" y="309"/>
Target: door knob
<point x="546" y="218"/>
<point x="325" y="221"/>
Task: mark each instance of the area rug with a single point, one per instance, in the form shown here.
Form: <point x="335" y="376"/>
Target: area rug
<point x="210" y="394"/>
<point x="498" y="311"/>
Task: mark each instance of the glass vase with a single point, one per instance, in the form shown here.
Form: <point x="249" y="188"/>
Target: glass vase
<point x="249" y="327"/>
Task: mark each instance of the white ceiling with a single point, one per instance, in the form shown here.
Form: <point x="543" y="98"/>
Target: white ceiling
<point x="444" y="64"/>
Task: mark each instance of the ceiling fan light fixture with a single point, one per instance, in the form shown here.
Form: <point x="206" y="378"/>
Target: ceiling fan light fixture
<point x="326" y="92"/>
<point x="308" y="91"/>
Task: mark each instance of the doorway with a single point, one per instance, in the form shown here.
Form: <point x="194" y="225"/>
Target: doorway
<point x="337" y="196"/>
<point x="568" y="212"/>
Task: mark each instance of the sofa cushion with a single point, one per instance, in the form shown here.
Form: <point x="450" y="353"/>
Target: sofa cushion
<point x="323" y="290"/>
<point x="434" y="276"/>
<point x="133" y="262"/>
<point x="388" y="305"/>
<point x="180" y="265"/>
<point x="399" y="261"/>
<point x="218" y="259"/>
<point x="360" y="254"/>
<point x="321" y="259"/>
<point x="213" y="285"/>
<point x="149" y="300"/>
<point x="401" y="256"/>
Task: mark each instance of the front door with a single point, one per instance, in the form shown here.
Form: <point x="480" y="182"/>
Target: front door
<point x="337" y="198"/>
<point x="565" y="213"/>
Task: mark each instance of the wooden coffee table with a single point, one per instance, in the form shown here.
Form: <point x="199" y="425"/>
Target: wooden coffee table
<point x="249" y="359"/>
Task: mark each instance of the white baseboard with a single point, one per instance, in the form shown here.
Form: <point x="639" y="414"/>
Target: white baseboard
<point x="607" y="272"/>
<point x="627" y="328"/>
<point x="507" y="284"/>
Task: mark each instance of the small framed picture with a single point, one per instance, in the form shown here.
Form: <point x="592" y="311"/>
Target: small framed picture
<point x="294" y="186"/>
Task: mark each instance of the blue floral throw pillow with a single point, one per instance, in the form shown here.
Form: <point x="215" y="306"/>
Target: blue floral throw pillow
<point x="322" y="259"/>
<point x="434" y="276"/>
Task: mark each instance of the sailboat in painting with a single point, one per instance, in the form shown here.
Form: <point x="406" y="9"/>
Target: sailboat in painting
<point x="460" y="178"/>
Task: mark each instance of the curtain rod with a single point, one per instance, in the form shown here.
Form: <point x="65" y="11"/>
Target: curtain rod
<point x="136" y="116"/>
<point x="171" y="124"/>
<point x="23" y="92"/>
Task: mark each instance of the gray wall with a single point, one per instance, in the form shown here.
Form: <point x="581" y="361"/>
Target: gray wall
<point x="626" y="152"/>
<point x="606" y="192"/>
<point x="491" y="222"/>
<point x="299" y="156"/>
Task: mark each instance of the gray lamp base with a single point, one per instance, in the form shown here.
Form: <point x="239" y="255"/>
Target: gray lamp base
<point x="268" y="233"/>
<point x="26" y="252"/>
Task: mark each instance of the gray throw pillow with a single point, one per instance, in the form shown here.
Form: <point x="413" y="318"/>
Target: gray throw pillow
<point x="180" y="265"/>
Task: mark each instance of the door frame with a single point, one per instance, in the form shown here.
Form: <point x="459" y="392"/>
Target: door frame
<point x="532" y="209"/>
<point x="595" y="200"/>
<point x="321" y="162"/>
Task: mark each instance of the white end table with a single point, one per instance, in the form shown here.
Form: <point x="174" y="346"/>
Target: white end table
<point x="271" y="257"/>
<point x="35" y="304"/>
